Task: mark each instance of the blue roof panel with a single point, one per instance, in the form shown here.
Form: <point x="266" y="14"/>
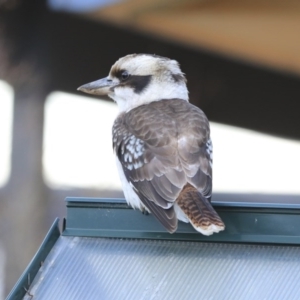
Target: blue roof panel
<point x="106" y="268"/>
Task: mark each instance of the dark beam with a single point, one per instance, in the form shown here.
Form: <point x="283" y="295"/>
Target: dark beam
<point x="231" y="92"/>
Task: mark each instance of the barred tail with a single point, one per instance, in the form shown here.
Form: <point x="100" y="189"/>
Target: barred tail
<point x="199" y="211"/>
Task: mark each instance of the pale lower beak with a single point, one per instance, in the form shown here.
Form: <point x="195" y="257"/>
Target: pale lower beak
<point x="99" y="87"/>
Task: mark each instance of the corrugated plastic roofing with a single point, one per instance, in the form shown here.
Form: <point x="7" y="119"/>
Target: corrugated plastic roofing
<point x="108" y="251"/>
<point x="106" y="268"/>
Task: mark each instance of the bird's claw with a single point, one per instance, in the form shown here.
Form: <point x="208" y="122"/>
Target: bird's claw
<point x="145" y="211"/>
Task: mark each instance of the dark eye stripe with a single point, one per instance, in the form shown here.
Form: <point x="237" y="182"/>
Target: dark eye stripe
<point x="138" y="83"/>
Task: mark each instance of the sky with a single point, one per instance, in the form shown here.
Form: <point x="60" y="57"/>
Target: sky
<point x="6" y="111"/>
<point x="79" y="5"/>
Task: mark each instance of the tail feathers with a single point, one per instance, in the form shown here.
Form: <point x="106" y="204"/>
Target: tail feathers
<point x="199" y="211"/>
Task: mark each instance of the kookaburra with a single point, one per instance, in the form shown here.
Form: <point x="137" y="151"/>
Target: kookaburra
<point x="161" y="142"/>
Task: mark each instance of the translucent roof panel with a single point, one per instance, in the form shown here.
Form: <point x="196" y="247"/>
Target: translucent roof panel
<point x="106" y="268"/>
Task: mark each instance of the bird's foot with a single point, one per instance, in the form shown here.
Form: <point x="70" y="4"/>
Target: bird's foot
<point x="144" y="211"/>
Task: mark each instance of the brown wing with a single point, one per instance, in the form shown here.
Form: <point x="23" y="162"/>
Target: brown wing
<point x="195" y="150"/>
<point x="161" y="147"/>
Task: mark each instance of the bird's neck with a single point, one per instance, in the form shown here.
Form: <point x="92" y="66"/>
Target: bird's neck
<point x="127" y="98"/>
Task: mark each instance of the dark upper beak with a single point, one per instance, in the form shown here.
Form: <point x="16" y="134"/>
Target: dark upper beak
<point x="99" y="87"/>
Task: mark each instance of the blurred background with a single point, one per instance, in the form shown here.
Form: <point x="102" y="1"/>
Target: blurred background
<point x="242" y="61"/>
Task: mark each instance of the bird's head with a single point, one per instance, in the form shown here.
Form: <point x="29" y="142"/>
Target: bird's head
<point x="139" y="79"/>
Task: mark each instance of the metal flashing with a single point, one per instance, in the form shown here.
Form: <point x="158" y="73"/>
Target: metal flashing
<point x="23" y="284"/>
<point x="245" y="222"/>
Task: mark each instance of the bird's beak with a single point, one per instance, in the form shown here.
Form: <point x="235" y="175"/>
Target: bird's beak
<point x="99" y="87"/>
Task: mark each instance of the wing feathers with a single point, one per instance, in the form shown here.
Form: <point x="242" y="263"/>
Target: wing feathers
<point x="146" y="189"/>
<point x="166" y="217"/>
<point x="162" y="146"/>
<point x="165" y="188"/>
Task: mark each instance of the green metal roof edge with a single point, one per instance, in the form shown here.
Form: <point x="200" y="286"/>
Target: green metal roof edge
<point x="115" y="201"/>
<point x="245" y="222"/>
<point x="23" y="284"/>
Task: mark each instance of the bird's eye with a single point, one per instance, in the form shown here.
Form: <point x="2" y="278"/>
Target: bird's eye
<point x="124" y="75"/>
